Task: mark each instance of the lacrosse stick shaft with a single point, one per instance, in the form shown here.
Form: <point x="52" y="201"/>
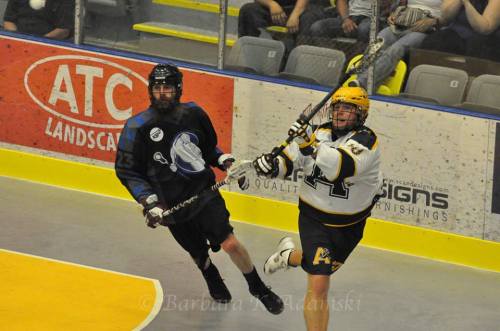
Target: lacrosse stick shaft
<point x="366" y="61"/>
<point x="236" y="172"/>
<point x="189" y="201"/>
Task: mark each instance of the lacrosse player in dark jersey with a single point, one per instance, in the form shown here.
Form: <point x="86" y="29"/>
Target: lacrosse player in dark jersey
<point x="165" y="156"/>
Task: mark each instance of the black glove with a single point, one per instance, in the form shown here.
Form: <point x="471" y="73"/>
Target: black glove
<point x="266" y="165"/>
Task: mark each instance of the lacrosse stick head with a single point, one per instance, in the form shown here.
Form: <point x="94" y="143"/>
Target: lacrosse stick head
<point x="239" y="169"/>
<point x="370" y="55"/>
<point x="319" y="117"/>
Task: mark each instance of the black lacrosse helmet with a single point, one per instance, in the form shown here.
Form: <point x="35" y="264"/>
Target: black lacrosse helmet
<point x="165" y="74"/>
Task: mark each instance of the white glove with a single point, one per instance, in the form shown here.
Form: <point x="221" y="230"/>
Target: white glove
<point x="154" y="217"/>
<point x="226" y="160"/>
<point x="302" y="132"/>
<point x="152" y="210"/>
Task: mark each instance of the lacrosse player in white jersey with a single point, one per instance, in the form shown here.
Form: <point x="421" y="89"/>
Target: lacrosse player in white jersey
<point x="342" y="182"/>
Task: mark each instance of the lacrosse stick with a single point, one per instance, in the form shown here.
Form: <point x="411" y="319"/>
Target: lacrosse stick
<point x="371" y="53"/>
<point x="237" y="171"/>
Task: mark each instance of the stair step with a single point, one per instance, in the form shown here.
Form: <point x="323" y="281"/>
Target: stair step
<point x="183" y="32"/>
<point x="198" y="6"/>
<point x="211" y="8"/>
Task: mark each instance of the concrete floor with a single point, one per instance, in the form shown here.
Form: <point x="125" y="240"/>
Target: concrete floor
<point x="375" y="290"/>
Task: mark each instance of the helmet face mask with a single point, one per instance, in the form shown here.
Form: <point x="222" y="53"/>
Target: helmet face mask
<point x="349" y="109"/>
<point x="165" y="86"/>
<point x="345" y="116"/>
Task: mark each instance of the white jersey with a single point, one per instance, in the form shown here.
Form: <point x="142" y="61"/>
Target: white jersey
<point x="434" y="6"/>
<point x="360" y="8"/>
<point x="342" y="183"/>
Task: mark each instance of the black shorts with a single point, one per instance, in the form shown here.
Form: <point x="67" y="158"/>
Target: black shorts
<point x="326" y="248"/>
<point x="211" y="224"/>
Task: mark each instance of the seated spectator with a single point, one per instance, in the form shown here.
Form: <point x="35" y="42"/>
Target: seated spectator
<point x="296" y="15"/>
<point x="473" y="30"/>
<point x="47" y="18"/>
<point x="353" y="21"/>
<point x="398" y="39"/>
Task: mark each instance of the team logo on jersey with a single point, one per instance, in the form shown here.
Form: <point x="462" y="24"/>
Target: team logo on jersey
<point x="158" y="157"/>
<point x="156" y="134"/>
<point x="185" y="154"/>
<point x="355" y="147"/>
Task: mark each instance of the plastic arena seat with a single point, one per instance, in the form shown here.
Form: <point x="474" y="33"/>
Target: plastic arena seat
<point x="484" y="94"/>
<point x="436" y="84"/>
<point x="315" y="65"/>
<point x="256" y="55"/>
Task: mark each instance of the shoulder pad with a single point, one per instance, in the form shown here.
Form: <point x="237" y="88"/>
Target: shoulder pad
<point x="140" y="119"/>
<point x="323" y="132"/>
<point x="190" y="104"/>
<point x="326" y="126"/>
<point x="190" y="107"/>
<point x="365" y="137"/>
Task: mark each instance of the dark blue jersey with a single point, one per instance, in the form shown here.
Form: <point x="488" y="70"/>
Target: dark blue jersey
<point x="169" y="154"/>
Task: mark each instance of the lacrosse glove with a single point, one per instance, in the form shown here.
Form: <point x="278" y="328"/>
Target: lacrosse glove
<point x="267" y="166"/>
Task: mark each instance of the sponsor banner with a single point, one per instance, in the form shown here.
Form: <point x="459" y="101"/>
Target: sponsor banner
<point x="430" y="161"/>
<point x="434" y="163"/>
<point x="76" y="102"/>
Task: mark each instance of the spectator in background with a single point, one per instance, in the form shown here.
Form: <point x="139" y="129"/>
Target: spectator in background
<point x="353" y="21"/>
<point x="398" y="39"/>
<point x="296" y="15"/>
<point x="47" y="18"/>
<point x="473" y="30"/>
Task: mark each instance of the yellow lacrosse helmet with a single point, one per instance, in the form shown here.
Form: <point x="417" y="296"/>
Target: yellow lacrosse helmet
<point x="353" y="95"/>
<point x="357" y="98"/>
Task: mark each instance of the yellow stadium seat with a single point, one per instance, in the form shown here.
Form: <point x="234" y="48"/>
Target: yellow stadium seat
<point x="392" y="85"/>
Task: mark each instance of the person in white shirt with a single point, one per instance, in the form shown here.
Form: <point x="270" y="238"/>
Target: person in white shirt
<point x="353" y="21"/>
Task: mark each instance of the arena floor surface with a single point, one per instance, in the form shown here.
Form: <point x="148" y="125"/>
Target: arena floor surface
<point x="375" y="290"/>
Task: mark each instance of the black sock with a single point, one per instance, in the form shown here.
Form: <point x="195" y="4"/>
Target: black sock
<point x="211" y="271"/>
<point x="253" y="280"/>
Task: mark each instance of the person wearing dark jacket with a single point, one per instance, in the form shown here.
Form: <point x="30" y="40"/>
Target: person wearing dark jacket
<point x="165" y="156"/>
<point x="53" y="19"/>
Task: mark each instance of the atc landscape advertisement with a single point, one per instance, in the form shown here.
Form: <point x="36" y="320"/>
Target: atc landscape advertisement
<point x="75" y="102"/>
